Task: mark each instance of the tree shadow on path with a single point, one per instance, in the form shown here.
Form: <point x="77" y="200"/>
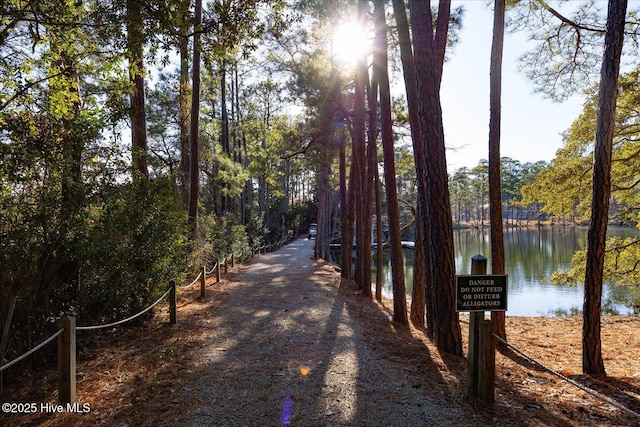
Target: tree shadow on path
<point x="289" y="345"/>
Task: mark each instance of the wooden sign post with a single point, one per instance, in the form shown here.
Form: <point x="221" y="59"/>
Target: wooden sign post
<point x="477" y="293"/>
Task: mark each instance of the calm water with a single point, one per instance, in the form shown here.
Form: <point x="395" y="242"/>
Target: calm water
<point x="531" y="255"/>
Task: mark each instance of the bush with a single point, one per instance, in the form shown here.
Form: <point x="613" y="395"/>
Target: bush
<point x="221" y="237"/>
<point x="107" y="258"/>
<point x="136" y="246"/>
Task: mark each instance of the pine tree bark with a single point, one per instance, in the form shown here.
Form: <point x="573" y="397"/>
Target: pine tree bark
<point x="421" y="275"/>
<point x="224" y="115"/>
<point x="68" y="271"/>
<point x="371" y="87"/>
<point x="362" y="198"/>
<point x="347" y="237"/>
<point x="184" y="118"/>
<point x="379" y="236"/>
<point x="495" y="193"/>
<point x="135" y="44"/>
<point x="429" y="51"/>
<point x="346" y="225"/>
<point x="321" y="247"/>
<point x="194" y="126"/>
<point x="380" y="64"/>
<point x="592" y="362"/>
<point x="224" y="122"/>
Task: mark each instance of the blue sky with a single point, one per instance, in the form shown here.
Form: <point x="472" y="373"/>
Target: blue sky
<point x="531" y="124"/>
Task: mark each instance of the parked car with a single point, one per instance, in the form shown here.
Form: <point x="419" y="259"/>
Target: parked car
<point x="313" y="231"/>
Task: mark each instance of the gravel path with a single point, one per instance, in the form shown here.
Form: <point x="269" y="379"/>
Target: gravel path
<point x="287" y="348"/>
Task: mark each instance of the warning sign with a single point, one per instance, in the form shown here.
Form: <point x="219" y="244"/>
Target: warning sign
<point x="481" y="293"/>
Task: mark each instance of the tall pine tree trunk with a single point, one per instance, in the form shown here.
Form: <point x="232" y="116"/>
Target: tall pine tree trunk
<point x="224" y="119"/>
<point x="362" y="199"/>
<point x="194" y="127"/>
<point x="321" y="247"/>
<point x="380" y="64"/>
<point x="592" y="362"/>
<point x="379" y="236"/>
<point x="345" y="247"/>
<point x="135" y="48"/>
<point x="68" y="269"/>
<point x="429" y="52"/>
<point x="184" y="117"/>
<point x="422" y="275"/>
<point x="495" y="194"/>
<point x="224" y="115"/>
<point x="372" y="189"/>
<point x="349" y="218"/>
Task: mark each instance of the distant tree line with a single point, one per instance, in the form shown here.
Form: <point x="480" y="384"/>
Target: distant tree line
<point x="470" y="193"/>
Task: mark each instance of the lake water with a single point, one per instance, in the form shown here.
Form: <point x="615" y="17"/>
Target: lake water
<point x="531" y="255"/>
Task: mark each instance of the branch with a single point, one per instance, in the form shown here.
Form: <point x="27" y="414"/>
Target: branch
<point x="405" y="228"/>
<point x="633" y="242"/>
<point x="629" y="271"/>
<point x="630" y="187"/>
<point x="408" y="226"/>
<point x="387" y="244"/>
<point x="568" y="21"/>
<point x="303" y="149"/>
<point x="23" y="90"/>
<point x="631" y="156"/>
<point x="409" y="205"/>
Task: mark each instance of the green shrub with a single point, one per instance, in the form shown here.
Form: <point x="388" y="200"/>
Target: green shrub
<point x="221" y="237"/>
<point x="136" y="246"/>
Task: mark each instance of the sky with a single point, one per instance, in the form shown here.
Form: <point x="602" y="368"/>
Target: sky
<point x="531" y="124"/>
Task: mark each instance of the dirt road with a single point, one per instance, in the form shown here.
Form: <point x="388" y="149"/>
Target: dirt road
<point x="285" y="348"/>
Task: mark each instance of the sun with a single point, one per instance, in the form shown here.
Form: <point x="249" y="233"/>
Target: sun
<point x="349" y="42"/>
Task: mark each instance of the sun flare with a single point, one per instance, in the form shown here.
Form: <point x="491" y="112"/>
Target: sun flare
<point x="350" y="42"/>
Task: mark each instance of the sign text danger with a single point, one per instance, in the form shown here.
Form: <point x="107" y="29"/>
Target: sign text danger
<point x="481" y="293"/>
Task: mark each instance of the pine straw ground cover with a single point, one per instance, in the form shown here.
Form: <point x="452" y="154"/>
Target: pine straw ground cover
<point x="147" y="374"/>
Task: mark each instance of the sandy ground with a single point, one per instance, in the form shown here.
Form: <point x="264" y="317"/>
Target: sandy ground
<point x="281" y="341"/>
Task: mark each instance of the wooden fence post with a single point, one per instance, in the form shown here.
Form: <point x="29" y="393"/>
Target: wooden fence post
<point x="232" y="260"/>
<point x="203" y="281"/>
<point x="173" y="304"/>
<point x="218" y="271"/>
<point x="478" y="266"/>
<point x="67" y="360"/>
<point x="486" y="362"/>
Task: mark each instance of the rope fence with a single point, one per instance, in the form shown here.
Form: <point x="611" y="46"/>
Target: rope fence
<point x="212" y="270"/>
<point x="230" y="260"/>
<point x="66" y="333"/>
<point x="569" y="380"/>
<point x="120" y="322"/>
<point x="30" y="352"/>
<point x="194" y="280"/>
